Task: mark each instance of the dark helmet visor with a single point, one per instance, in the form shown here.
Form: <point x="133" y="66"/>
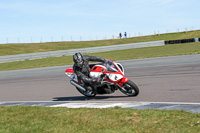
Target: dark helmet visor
<point x="78" y="58"/>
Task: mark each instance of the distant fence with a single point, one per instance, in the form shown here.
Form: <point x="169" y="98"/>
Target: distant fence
<point x="32" y="56"/>
<point x="66" y="38"/>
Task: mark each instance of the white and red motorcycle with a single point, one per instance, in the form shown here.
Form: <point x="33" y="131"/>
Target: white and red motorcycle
<point x="112" y="75"/>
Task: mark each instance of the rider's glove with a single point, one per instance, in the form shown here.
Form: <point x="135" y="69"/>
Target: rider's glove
<point x="94" y="80"/>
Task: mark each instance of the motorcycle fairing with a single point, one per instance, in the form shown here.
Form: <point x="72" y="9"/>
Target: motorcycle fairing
<point x="114" y="77"/>
<point x="124" y="80"/>
<point x="70" y="73"/>
<point x="97" y="71"/>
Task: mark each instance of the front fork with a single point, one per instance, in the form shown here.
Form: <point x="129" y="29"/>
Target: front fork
<point x="120" y="84"/>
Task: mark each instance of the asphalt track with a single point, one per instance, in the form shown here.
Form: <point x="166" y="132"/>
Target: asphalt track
<point x="174" y="79"/>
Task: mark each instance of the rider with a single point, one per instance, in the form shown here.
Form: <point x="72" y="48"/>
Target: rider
<point x="82" y="69"/>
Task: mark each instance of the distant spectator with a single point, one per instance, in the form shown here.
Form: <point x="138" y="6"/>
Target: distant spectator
<point x="125" y="35"/>
<point x="120" y="35"/>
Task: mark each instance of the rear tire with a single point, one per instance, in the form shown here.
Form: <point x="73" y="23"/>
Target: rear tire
<point x="130" y="88"/>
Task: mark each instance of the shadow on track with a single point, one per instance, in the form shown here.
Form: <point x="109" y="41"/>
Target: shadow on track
<point x="83" y="98"/>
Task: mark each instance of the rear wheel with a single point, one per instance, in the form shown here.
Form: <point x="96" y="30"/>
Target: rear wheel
<point x="130" y="88"/>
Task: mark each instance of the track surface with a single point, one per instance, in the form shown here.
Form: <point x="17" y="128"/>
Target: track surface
<point x="166" y="79"/>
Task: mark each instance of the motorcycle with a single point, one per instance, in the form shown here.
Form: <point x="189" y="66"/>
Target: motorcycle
<point x="112" y="79"/>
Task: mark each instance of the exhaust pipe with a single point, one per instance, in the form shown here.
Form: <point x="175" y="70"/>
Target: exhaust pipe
<point x="77" y="85"/>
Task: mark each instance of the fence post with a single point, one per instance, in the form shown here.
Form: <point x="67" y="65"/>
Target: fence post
<point x="51" y="39"/>
<point x="185" y="30"/>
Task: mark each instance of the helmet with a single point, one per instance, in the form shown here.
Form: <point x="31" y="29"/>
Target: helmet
<point x="78" y="59"/>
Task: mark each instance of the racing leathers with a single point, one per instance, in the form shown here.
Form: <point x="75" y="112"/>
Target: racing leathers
<point x="83" y="71"/>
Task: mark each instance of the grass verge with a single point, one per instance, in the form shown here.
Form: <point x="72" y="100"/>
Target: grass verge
<point x="20" y="119"/>
<point x="12" y="49"/>
<point x="138" y="53"/>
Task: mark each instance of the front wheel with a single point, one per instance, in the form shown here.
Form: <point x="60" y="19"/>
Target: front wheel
<point x="130" y="88"/>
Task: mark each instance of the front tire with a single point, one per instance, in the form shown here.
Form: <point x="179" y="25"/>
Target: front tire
<point x="130" y="88"/>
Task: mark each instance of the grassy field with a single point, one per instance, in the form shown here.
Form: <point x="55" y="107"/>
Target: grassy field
<point x="12" y="49"/>
<point x="21" y="119"/>
<point x="159" y="51"/>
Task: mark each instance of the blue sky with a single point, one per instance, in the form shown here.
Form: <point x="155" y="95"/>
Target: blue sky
<point x="57" y="20"/>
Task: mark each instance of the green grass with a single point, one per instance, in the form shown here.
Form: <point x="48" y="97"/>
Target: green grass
<point x="12" y="49"/>
<point x="21" y="119"/>
<point x="138" y="53"/>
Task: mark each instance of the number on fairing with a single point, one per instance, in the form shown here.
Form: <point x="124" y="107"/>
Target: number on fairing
<point x="115" y="77"/>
